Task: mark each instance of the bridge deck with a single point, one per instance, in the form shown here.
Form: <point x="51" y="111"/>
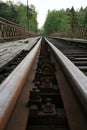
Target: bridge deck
<point x="9" y="50"/>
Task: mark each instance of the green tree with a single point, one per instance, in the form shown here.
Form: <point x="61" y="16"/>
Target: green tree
<point x="22" y="15"/>
<point x="4" y="10"/>
<point x="32" y="17"/>
<point x="73" y="18"/>
<point x="81" y="16"/>
<point x="56" y="21"/>
<point x="85" y="17"/>
<point x="18" y="14"/>
<point x="8" y="11"/>
<point x="33" y="24"/>
<point x="13" y="13"/>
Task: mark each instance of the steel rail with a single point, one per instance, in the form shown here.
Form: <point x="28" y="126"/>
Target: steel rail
<point x="11" y="88"/>
<point x="75" y="41"/>
<point x="77" y="79"/>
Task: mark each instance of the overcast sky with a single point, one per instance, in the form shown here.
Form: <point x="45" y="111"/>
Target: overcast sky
<point x="42" y="6"/>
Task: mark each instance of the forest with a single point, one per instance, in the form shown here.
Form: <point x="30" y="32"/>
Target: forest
<point x="56" y="20"/>
<point x="64" y="20"/>
<point x="18" y="13"/>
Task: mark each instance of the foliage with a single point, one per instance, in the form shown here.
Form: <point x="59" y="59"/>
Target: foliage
<point x="8" y="11"/>
<point x="73" y="18"/>
<point x="18" y="14"/>
<point x="22" y="18"/>
<point x="64" y="20"/>
<point x="85" y="20"/>
<point x="33" y="24"/>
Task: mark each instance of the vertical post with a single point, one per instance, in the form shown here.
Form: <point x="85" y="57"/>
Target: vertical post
<point x="27" y="16"/>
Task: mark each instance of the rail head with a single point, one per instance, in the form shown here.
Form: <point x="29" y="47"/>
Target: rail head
<point x="77" y="79"/>
<point x="77" y="42"/>
<point x="11" y="88"/>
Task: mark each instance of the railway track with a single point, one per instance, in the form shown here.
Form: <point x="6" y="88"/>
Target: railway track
<point x="11" y="54"/>
<point x="49" y="92"/>
<point x="75" y="50"/>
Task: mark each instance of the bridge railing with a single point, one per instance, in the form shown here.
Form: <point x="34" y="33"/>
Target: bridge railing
<point x="76" y="78"/>
<point x="11" y="30"/>
<point x="78" y="32"/>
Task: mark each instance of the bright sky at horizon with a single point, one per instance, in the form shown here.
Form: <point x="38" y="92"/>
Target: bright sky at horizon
<point x="42" y="6"/>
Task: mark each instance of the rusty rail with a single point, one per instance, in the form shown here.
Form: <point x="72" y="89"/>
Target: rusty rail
<point x="11" y="88"/>
<point x="75" y="76"/>
<point x="10" y="30"/>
